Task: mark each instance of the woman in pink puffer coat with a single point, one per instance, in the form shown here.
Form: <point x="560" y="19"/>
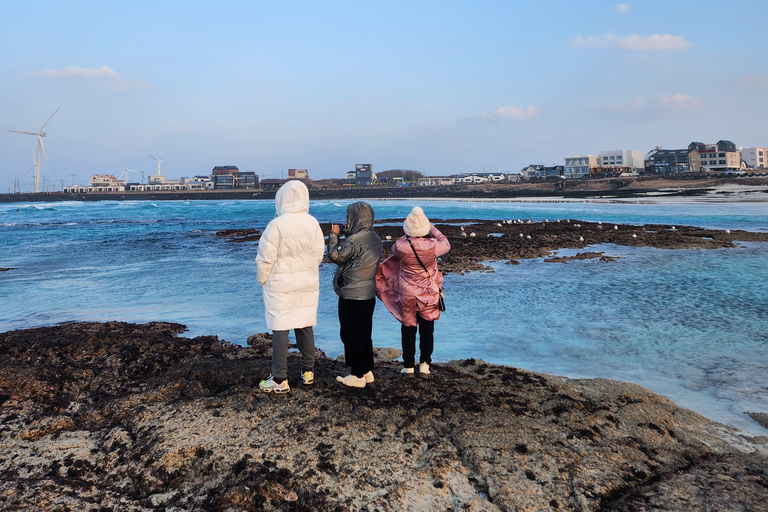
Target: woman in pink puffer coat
<point x="410" y="292"/>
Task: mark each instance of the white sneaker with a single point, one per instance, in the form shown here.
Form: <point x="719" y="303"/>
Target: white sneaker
<point x="352" y="381"/>
<point x="407" y="372"/>
<point x="368" y="377"/>
<point x="308" y="377"/>
<point x="424" y="370"/>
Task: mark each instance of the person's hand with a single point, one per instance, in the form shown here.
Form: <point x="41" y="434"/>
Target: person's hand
<point x="335" y="228"/>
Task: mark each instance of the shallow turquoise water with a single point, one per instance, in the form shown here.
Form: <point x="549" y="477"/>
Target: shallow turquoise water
<point x="688" y="324"/>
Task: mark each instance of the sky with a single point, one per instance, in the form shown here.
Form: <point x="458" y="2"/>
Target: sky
<point x="439" y="87"/>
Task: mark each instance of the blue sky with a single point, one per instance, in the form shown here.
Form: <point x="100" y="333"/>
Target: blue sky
<point x="440" y="87"/>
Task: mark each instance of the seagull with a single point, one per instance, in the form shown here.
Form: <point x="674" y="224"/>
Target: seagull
<point x="522" y="235"/>
<point x="599" y="223"/>
<point x="528" y="237"/>
<point x="577" y="225"/>
<point x="581" y="239"/>
<point x="728" y="231"/>
<point x="529" y="222"/>
<point x="498" y="224"/>
<point x="462" y="228"/>
<point x="634" y="235"/>
<point x="615" y="227"/>
<point x="472" y="235"/>
<point x="674" y="228"/>
<point x="389" y="237"/>
<point x="464" y="234"/>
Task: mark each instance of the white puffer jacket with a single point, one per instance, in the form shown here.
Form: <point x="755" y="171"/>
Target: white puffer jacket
<point x="290" y="251"/>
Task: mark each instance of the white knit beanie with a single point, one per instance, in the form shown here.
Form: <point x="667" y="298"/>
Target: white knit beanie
<point x="416" y="223"/>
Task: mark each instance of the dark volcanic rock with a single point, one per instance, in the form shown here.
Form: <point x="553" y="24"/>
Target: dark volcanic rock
<point x="474" y="242"/>
<point x="131" y="417"/>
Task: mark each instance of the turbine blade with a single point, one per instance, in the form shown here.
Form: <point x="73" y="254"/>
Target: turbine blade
<point x="54" y="113"/>
<point x="26" y="133"/>
<point x="40" y="140"/>
<point x="153" y="158"/>
<point x="165" y="155"/>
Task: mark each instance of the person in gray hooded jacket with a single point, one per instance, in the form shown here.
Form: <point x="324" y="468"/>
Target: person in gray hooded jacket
<point x="357" y="256"/>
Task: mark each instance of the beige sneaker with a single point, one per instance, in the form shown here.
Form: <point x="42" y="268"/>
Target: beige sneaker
<point x="424" y="370"/>
<point x="368" y="377"/>
<point x="407" y="372"/>
<point x="352" y="381"/>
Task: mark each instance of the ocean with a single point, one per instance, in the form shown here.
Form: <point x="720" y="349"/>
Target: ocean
<point x="687" y="324"/>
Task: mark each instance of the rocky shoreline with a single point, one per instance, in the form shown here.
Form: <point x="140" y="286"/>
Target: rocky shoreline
<point x="474" y="242"/>
<point x="129" y="417"/>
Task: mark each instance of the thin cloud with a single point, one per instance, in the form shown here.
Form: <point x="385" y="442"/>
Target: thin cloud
<point x="623" y="7"/>
<point x="512" y="112"/>
<point x="634" y="42"/>
<point x="116" y="82"/>
<point x="681" y="101"/>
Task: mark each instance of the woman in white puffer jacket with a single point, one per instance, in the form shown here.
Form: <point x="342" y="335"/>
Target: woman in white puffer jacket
<point x="290" y="251"/>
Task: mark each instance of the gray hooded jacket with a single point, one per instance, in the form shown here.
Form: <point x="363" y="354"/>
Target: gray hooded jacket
<point x="357" y="256"/>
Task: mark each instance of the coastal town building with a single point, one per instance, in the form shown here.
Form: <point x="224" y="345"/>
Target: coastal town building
<point x="666" y="161"/>
<point x="223" y="177"/>
<point x="538" y="171"/>
<point x="363" y="174"/>
<point x="432" y="181"/>
<point x="197" y="183"/>
<point x="470" y="178"/>
<point x="622" y="161"/>
<point x="755" y="157"/>
<point x="272" y="184"/>
<point x="298" y="174"/>
<point x="106" y="183"/>
<point x="580" y="166"/>
<point x="245" y="179"/>
<point x="719" y="157"/>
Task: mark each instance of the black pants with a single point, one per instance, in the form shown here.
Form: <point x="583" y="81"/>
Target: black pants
<point x="356" y="319"/>
<point x="426" y="342"/>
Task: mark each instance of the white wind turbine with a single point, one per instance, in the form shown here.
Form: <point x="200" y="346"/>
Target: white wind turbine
<point x="125" y="173"/>
<point x="40" y="147"/>
<point x="159" y="161"/>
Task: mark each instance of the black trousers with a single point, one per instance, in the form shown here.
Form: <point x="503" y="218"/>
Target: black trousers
<point x="356" y="319"/>
<point x="426" y="342"/>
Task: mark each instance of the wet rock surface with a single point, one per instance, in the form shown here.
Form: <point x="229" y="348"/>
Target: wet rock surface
<point x="129" y="417"/>
<point x="474" y="241"/>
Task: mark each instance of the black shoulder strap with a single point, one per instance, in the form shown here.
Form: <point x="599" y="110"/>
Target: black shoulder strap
<point x="425" y="268"/>
<point x="417" y="257"/>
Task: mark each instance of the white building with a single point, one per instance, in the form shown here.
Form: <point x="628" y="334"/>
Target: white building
<point x="471" y="178"/>
<point x="631" y="160"/>
<point x="756" y="158"/>
<point x="428" y="181"/>
<point x="580" y="166"/>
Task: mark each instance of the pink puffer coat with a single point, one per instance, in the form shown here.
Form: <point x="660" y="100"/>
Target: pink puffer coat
<point x="404" y="287"/>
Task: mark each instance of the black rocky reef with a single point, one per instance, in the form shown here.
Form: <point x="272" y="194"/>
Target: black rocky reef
<point x="119" y="416"/>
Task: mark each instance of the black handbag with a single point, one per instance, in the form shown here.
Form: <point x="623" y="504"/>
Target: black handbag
<point x="441" y="298"/>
